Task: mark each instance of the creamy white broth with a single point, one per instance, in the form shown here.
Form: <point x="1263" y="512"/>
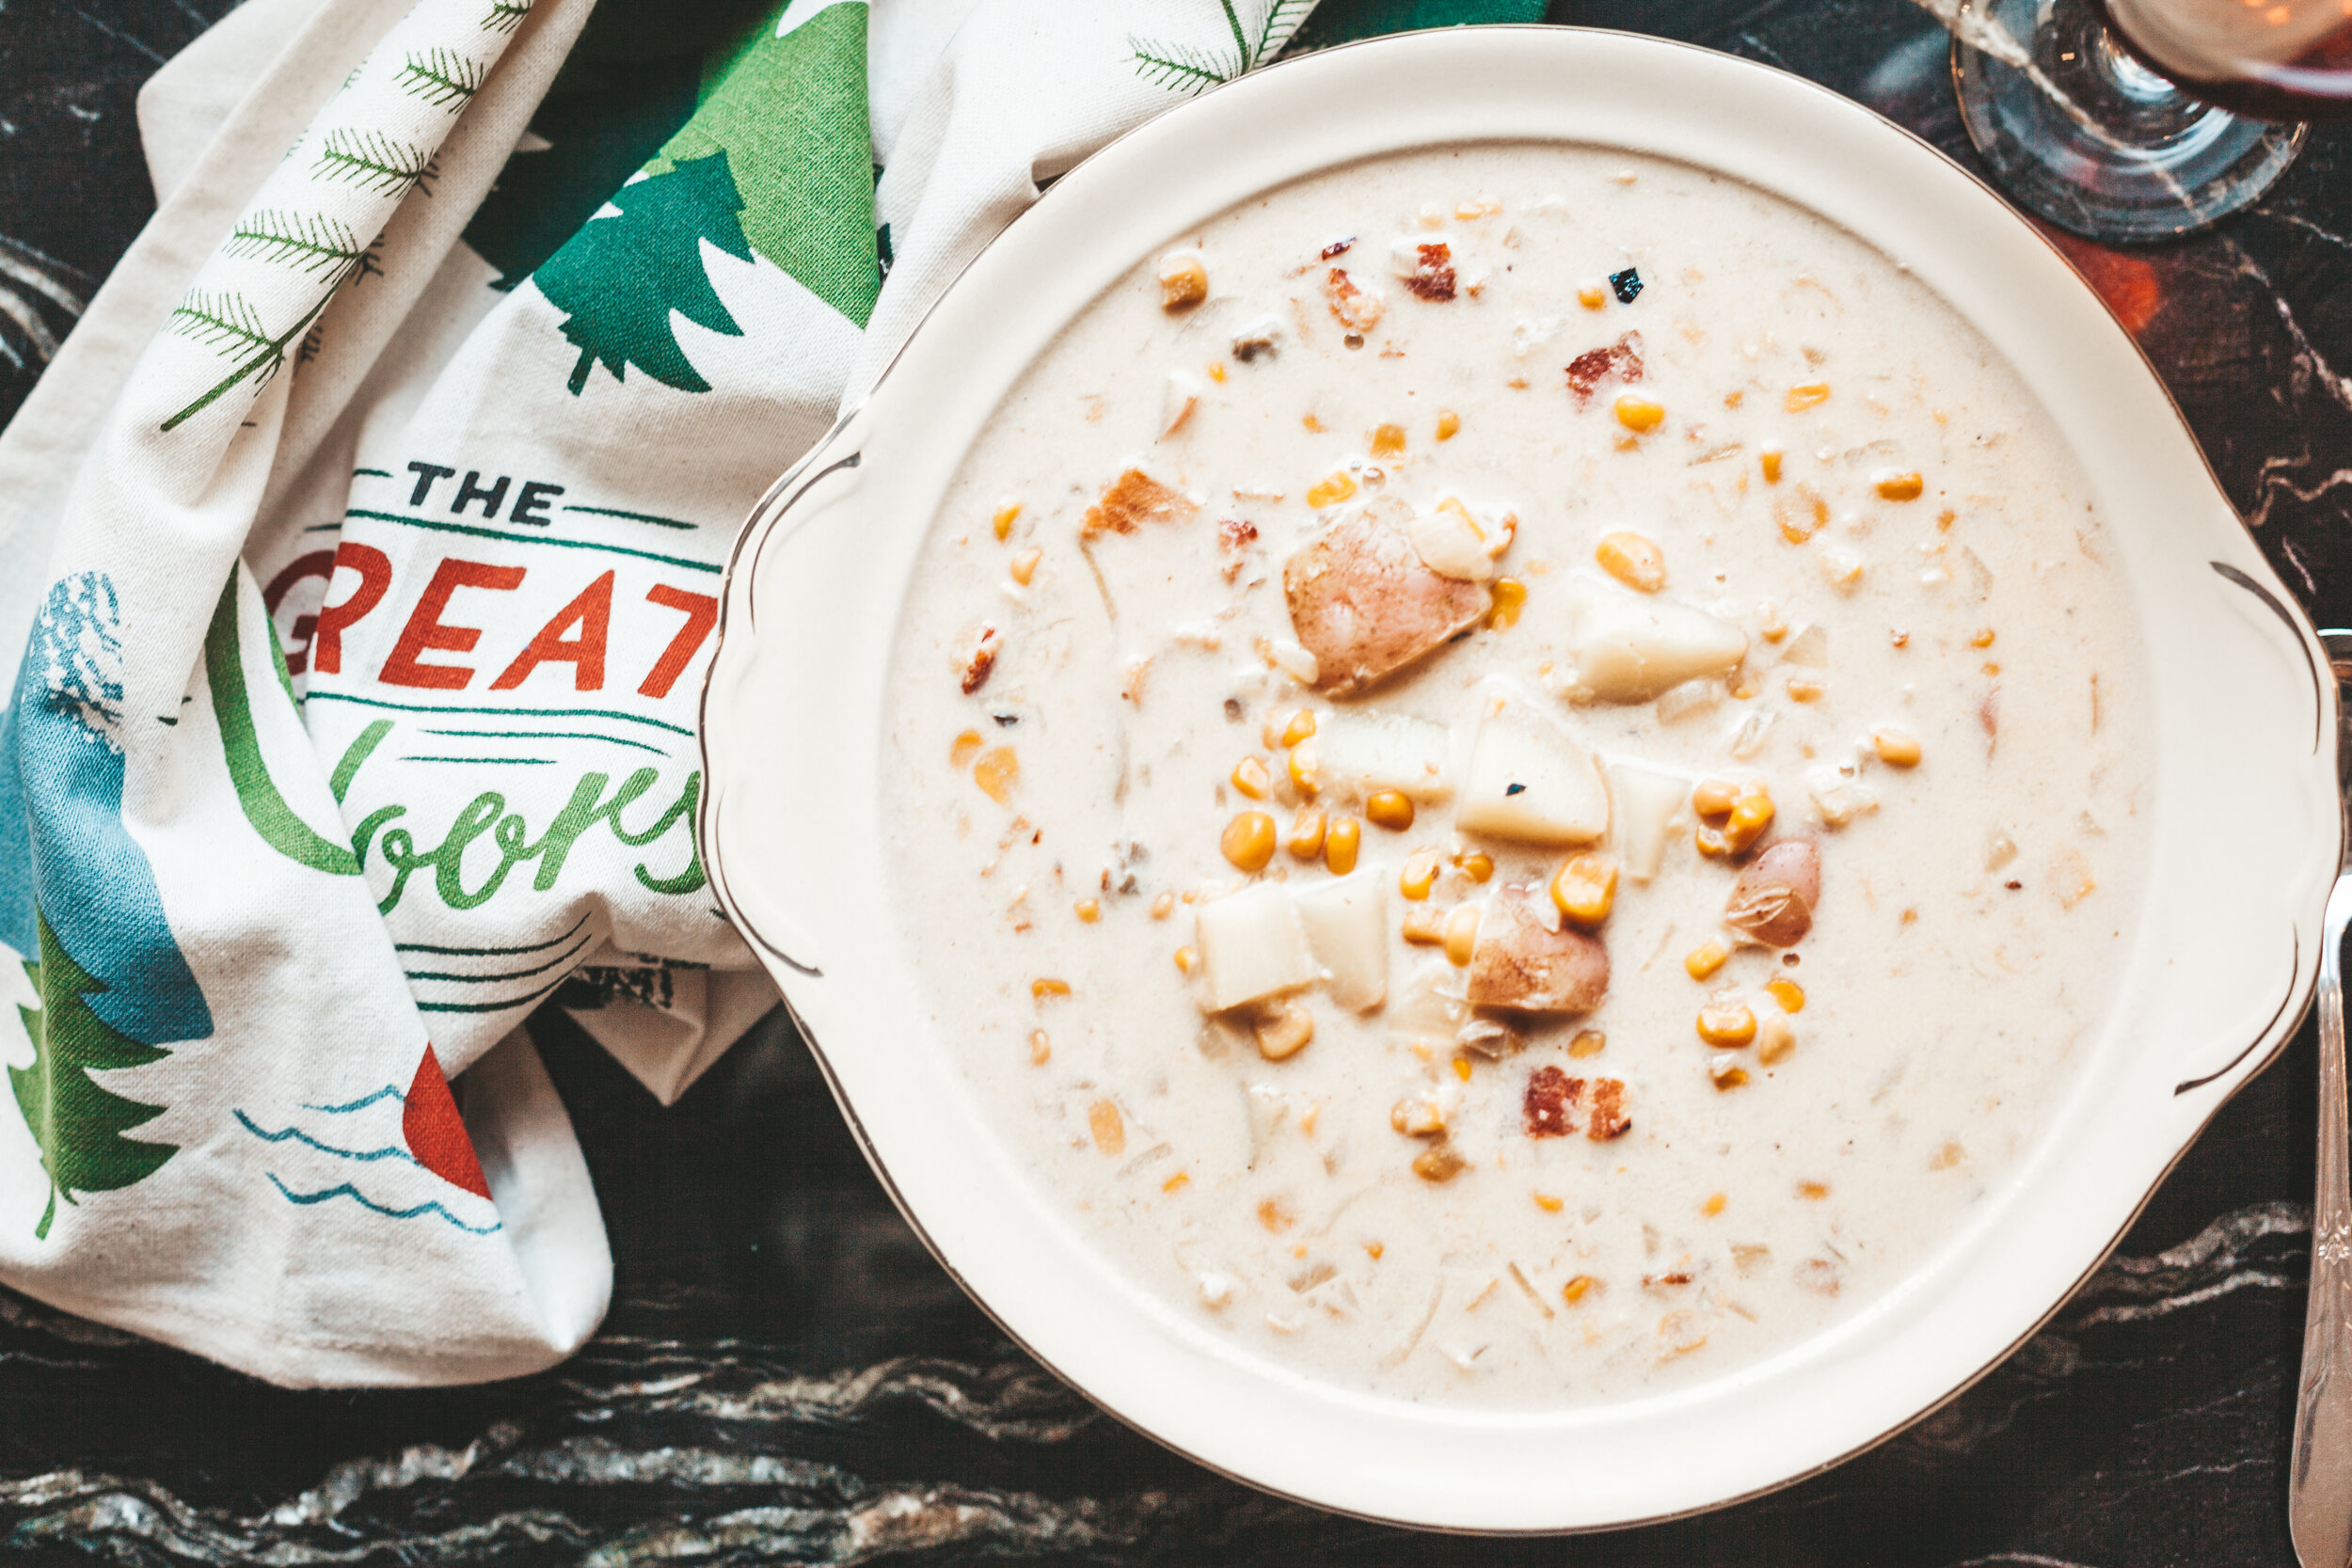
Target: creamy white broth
<point x="1973" y="911"/>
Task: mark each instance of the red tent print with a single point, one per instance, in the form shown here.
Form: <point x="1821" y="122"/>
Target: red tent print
<point x="435" y="1133"/>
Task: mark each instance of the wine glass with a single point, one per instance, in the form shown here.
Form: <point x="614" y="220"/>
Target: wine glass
<point x="2133" y="120"/>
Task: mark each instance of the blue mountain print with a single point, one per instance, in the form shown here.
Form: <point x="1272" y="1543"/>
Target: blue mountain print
<point x="64" y="853"/>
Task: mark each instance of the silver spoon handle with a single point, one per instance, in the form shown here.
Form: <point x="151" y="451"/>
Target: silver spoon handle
<point x="2319" y="1484"/>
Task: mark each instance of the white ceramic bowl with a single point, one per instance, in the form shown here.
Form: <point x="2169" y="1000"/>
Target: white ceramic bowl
<point x="2246" y="841"/>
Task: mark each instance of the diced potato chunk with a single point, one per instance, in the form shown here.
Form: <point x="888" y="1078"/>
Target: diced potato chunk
<point x="1251" y="948"/>
<point x="1644" y="801"/>
<point x="1365" y="604"/>
<point x="1529" y="780"/>
<point x="1362" y="755"/>
<point x="1530" y="959"/>
<point x="1629" y="647"/>
<point x="1346" y="924"/>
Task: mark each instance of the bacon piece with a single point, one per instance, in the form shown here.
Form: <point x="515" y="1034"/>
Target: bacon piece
<point x="981" y="661"/>
<point x="1235" y="535"/>
<point x="1358" y="308"/>
<point x="1339" y="248"/>
<point x="1620" y="363"/>
<point x="1133" y="499"/>
<point x="1609" y="1118"/>
<point x="1528" y="959"/>
<point x="1432" y="278"/>
<point x="1366" y="605"/>
<point x="1552" y="1103"/>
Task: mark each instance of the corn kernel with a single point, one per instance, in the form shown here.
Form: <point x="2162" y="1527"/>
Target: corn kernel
<point x="1547" y="1203"/>
<point x="1088" y="910"/>
<point x="1391" y="809"/>
<point x="1785" y="992"/>
<point x="1774" y="1038"/>
<point x="1726" y="1022"/>
<point x="1164" y="906"/>
<point x="1187" y="961"/>
<point x="1982" y="638"/>
<point x="1462" y="1068"/>
<point x="1388" y="440"/>
<point x="1041" y="1049"/>
<point x="1108" y="1127"/>
<point x="1584" y="888"/>
<point x="1419" y="876"/>
<point x="1461" y="935"/>
<point x="1705" y="960"/>
<point x="1184" y="280"/>
<point x="1439" y="1163"/>
<point x="967" y="747"/>
<point x="1728" y="1077"/>
<point x="1477" y="866"/>
<point x="1250" y="777"/>
<point x="1895" y="486"/>
<point x="1286" y="1032"/>
<point x="1805" y="688"/>
<point x="1813" y="1192"/>
<point x="1714" y="797"/>
<point x="1894" y="748"/>
<point x="1811" y="395"/>
<point x="1425" y="925"/>
<point x="1307" y="832"/>
<point x="1046" y="985"/>
<point x="1632" y="560"/>
<point x="1002" y="522"/>
<point x="1715" y="1204"/>
<point x="1182" y="1178"/>
<point x="1339" y="844"/>
<point x="1639" y="414"/>
<point x="1306" y="771"/>
<point x="1588" y="1042"/>
<point x="1422" y="1117"/>
<point x="1770" y="460"/>
<point x="1217" y="370"/>
<point x="1330" y="491"/>
<point x="1301" y="726"/>
<point x="1508" y="597"/>
<point x="1025" y="564"/>
<point x="1449" y="424"/>
<point x="1248" y="841"/>
<point x="996" y="772"/>
<point x="1574" y="1291"/>
<point x="1592" y="297"/>
<point x="1748" y="821"/>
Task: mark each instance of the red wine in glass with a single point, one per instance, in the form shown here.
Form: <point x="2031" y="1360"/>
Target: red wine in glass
<point x="2272" y="60"/>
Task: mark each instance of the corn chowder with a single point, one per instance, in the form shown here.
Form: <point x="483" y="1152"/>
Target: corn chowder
<point x="1515" y="772"/>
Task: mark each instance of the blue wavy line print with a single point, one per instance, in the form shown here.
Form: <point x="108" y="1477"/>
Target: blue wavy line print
<point x="299" y="1136"/>
<point x="386" y="1092"/>
<point x="345" y="1188"/>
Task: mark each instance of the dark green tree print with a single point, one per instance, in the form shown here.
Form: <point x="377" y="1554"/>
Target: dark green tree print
<point x="620" y="276"/>
<point x="79" y="1126"/>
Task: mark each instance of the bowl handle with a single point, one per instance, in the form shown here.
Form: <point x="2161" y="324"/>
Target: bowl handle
<point x="783" y="540"/>
<point x="2270" y="1022"/>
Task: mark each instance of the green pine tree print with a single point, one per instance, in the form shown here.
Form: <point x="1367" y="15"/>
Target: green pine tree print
<point x="620" y="276"/>
<point x="79" y="1126"/>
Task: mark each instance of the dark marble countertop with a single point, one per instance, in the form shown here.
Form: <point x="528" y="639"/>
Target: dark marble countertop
<point x="787" y="1376"/>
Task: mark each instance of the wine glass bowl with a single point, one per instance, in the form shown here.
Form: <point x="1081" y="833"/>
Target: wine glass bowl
<point x="2081" y="129"/>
